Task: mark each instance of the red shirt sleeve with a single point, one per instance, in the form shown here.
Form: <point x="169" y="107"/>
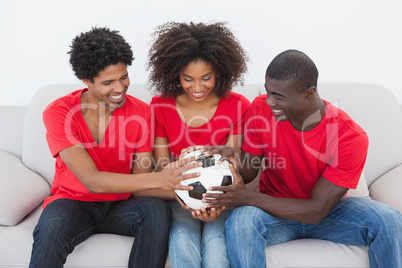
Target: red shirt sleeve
<point x="61" y="131"/>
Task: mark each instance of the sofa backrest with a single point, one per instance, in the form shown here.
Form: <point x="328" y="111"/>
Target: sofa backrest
<point x="11" y="120"/>
<point x="373" y="107"/>
<point x="35" y="151"/>
<point x="376" y="110"/>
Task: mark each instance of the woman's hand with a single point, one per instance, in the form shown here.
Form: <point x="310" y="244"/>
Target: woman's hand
<point x="182" y="204"/>
<point x="208" y="214"/>
<point x="203" y="214"/>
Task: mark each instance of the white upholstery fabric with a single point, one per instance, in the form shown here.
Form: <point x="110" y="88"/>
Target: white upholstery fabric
<point x="385" y="188"/>
<point x="308" y="253"/>
<point x="21" y="189"/>
<point x="11" y="118"/>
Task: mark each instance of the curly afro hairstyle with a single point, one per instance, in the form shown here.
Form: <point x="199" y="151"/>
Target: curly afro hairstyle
<point x="93" y="51"/>
<point x="178" y="44"/>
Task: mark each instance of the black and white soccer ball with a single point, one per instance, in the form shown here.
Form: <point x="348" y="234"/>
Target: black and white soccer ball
<point x="212" y="174"/>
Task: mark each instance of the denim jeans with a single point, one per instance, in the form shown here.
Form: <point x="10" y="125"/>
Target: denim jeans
<point x="194" y="243"/>
<point x="353" y="221"/>
<point x="65" y="223"/>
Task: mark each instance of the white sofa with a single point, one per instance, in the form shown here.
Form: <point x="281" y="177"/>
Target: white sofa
<point x="26" y="172"/>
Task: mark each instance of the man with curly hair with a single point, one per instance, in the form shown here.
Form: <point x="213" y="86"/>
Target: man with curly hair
<point x="100" y="138"/>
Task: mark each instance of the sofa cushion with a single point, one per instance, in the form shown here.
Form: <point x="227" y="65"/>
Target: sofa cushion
<point x="21" y="189"/>
<point x="308" y="253"/>
<point x="388" y="187"/>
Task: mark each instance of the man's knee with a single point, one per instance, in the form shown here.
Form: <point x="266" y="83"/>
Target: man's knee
<point x="242" y="217"/>
<point x="156" y="211"/>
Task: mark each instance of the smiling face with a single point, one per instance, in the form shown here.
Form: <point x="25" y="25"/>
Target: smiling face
<point x="109" y="87"/>
<point x="286" y="102"/>
<point x="198" y="80"/>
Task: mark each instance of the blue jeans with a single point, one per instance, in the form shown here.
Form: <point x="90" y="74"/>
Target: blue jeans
<point x="65" y="223"/>
<point x="353" y="221"/>
<point x="194" y="243"/>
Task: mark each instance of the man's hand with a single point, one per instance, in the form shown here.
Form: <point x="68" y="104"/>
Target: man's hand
<point x="231" y="154"/>
<point x="189" y="150"/>
<point x="233" y="195"/>
<point x="171" y="176"/>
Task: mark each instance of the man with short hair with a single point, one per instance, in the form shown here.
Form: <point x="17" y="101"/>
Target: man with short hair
<point x="314" y="152"/>
<point x="101" y="140"/>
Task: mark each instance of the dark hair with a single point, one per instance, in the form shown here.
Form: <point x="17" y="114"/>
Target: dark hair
<point x="93" y="51"/>
<point x="294" y="66"/>
<point x="178" y="44"/>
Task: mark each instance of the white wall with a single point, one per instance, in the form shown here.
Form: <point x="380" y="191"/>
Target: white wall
<point x="349" y="40"/>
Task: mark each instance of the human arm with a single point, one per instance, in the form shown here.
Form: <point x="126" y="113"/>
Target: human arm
<point x="324" y="197"/>
<point x="82" y="166"/>
<point x="162" y="155"/>
<point x="161" y="158"/>
<point x="143" y="163"/>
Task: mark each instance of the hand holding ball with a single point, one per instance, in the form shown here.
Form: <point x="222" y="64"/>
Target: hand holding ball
<point x="212" y="174"/>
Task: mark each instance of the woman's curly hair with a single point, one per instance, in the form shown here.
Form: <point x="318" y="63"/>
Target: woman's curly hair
<point x="178" y="44"/>
<point x="93" y="51"/>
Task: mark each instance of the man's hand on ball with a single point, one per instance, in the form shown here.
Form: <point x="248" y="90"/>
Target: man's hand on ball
<point x="210" y="214"/>
<point x="231" y="154"/>
<point x="171" y="176"/>
<point x="233" y="195"/>
<point x="189" y="150"/>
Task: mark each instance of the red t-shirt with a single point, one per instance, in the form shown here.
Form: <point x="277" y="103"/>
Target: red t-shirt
<point x="128" y="132"/>
<point x="227" y="120"/>
<point x="335" y="149"/>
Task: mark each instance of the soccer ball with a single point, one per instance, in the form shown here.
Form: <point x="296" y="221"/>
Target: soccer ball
<point x="212" y="174"/>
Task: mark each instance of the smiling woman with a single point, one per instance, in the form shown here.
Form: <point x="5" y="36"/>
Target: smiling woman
<point x="197" y="80"/>
<point x="194" y="67"/>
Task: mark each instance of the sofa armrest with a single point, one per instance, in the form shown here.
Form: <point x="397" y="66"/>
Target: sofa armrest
<point x="388" y="188"/>
<point x="21" y="190"/>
